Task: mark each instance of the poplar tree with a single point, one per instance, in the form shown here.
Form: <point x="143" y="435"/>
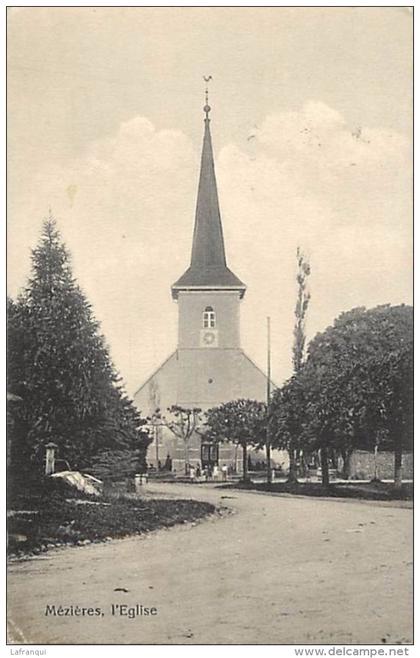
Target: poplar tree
<point x="299" y="340"/>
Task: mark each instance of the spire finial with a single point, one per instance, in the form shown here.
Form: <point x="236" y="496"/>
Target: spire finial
<point x="207" y="107"/>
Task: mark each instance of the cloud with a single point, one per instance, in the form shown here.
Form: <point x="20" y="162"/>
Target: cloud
<point x="126" y="210"/>
<point x="312" y="179"/>
<point x="342" y="193"/>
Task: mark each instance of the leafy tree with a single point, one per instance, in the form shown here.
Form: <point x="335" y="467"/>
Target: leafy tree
<point x="184" y="422"/>
<point x="343" y="377"/>
<point x="329" y="417"/>
<point x="287" y="418"/>
<point x="361" y="334"/>
<point x="353" y="391"/>
<point x="60" y="366"/>
<point x="240" y="421"/>
<point x="303" y="414"/>
<point x="390" y="403"/>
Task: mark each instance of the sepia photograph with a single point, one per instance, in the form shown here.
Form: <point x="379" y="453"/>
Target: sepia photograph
<point x="210" y="387"/>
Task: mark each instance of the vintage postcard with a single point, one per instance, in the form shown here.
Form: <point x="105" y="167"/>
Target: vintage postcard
<point x="210" y="327"/>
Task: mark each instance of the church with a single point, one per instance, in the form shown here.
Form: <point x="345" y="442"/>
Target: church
<point x="208" y="366"/>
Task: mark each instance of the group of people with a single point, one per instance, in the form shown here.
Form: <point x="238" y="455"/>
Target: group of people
<point x="205" y="473"/>
<point x="197" y="472"/>
<point x="167" y="466"/>
<point x="258" y="466"/>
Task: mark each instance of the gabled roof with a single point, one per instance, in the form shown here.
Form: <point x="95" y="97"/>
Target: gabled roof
<point x="208" y="268"/>
<point x="208" y="277"/>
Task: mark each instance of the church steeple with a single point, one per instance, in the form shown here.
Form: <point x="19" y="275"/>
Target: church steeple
<point x="208" y="268"/>
<point x="208" y="246"/>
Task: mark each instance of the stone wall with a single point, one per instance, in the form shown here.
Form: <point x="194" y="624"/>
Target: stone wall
<point x="362" y="465"/>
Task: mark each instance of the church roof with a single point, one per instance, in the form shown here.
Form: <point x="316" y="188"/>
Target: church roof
<point x="208" y="268"/>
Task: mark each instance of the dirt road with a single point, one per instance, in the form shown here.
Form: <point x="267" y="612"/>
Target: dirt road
<point x="278" y="570"/>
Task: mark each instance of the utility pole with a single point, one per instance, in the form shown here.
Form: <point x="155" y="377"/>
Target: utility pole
<point x="156" y="437"/>
<point x="268" y="445"/>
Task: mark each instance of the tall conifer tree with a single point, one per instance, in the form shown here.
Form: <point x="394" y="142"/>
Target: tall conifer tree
<point x="60" y="366"/>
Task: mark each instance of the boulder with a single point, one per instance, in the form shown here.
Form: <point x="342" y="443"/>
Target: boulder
<point x="84" y="483"/>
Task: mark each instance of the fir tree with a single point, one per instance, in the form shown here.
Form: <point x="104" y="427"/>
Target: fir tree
<point x="60" y="366"/>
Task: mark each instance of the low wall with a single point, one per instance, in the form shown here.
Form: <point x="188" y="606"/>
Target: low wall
<point x="362" y="465"/>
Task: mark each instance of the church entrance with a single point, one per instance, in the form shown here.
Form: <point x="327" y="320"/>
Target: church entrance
<point x="209" y="455"/>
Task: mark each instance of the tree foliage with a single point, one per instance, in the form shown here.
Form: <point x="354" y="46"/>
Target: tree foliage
<point x="355" y="388"/>
<point x="343" y="374"/>
<point x="293" y="441"/>
<point x="183" y="423"/>
<point x="59" y="364"/>
<point x="390" y="403"/>
<point x="115" y="465"/>
<point x="287" y="414"/>
<point x="240" y="421"/>
<point x="301" y="308"/>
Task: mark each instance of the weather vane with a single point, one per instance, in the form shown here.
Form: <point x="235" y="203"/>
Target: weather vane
<point x="207" y="107"/>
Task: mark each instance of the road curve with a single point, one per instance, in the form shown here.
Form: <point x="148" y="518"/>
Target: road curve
<point x="277" y="570"/>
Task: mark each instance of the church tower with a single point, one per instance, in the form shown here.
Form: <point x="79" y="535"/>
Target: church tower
<point x="208" y="296"/>
<point x="208" y="367"/>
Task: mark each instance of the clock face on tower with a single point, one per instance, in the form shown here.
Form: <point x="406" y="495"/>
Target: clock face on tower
<point x="208" y="338"/>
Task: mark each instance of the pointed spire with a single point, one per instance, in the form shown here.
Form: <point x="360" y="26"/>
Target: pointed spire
<point x="208" y="267"/>
<point x="208" y="245"/>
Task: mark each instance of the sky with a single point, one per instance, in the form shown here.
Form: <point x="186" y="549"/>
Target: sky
<point x="312" y="133"/>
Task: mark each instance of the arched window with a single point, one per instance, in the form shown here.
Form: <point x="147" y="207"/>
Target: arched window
<point x="209" y="318"/>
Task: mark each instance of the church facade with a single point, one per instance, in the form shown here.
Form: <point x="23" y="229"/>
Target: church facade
<point x="208" y="366"/>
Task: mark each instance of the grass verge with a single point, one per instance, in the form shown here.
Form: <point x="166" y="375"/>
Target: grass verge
<point x="366" y="491"/>
<point x="48" y="522"/>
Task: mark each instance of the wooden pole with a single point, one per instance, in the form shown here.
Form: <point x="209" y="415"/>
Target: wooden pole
<point x="268" y="445"/>
<point x="156" y="445"/>
<point x="50" y="449"/>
